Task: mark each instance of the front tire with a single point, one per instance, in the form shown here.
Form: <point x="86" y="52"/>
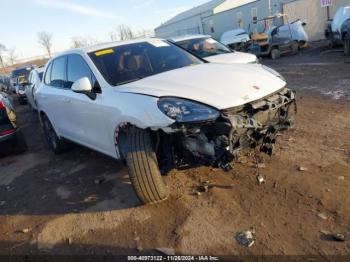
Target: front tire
<point x="275" y="54"/>
<point x="347" y="45"/>
<point x="143" y="167"/>
<point x="56" y="144"/>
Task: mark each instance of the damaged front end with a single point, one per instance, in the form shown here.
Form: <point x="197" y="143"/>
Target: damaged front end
<point x="219" y="141"/>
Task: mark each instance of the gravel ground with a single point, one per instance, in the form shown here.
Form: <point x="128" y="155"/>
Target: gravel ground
<point x="82" y="202"/>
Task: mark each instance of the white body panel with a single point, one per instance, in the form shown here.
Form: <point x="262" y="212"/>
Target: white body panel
<point x="342" y="14"/>
<point x="229" y="58"/>
<point x="234" y="37"/>
<point x="93" y="123"/>
<point x="233" y="58"/>
<point x="297" y="29"/>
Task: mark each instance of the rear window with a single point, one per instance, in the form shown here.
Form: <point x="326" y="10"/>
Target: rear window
<point x="127" y="63"/>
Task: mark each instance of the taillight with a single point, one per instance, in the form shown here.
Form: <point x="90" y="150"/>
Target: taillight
<point x="1" y="105"/>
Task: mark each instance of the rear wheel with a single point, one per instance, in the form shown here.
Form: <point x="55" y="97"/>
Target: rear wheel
<point x="56" y="144"/>
<point x="275" y="53"/>
<point x="141" y="159"/>
<point x="347" y="45"/>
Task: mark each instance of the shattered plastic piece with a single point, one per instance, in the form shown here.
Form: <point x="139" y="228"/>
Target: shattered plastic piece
<point x="301" y="168"/>
<point x="25" y="230"/>
<point x="245" y="238"/>
<point x="338" y="237"/>
<point x="90" y="199"/>
<point x="322" y="216"/>
<point x="260" y="179"/>
<point x="166" y="251"/>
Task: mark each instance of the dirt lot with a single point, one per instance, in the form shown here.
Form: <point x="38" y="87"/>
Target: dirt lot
<point x="82" y="202"/>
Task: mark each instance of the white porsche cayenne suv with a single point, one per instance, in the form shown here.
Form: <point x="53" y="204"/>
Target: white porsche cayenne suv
<point x="157" y="107"/>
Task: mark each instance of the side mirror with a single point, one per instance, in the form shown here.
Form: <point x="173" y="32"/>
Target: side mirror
<point x="83" y="86"/>
<point x="304" y="24"/>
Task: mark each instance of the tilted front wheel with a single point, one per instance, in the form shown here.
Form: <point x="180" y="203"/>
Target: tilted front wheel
<point x="143" y="167"/>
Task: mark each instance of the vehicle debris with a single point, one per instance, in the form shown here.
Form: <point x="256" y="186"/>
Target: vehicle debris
<point x="26" y="230"/>
<point x="90" y="199"/>
<point x="339" y="237"/>
<point x="333" y="236"/>
<point x="322" y="216"/>
<point x="260" y="179"/>
<point x="246" y="238"/>
<point x="302" y="169"/>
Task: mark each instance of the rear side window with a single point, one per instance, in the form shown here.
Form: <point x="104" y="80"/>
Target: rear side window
<point x="76" y="69"/>
<point x="58" y="73"/>
<point x="47" y="79"/>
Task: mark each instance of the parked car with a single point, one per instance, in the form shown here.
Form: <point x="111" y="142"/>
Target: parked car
<point x="211" y="50"/>
<point x="296" y="30"/>
<point x="4" y="83"/>
<point x="34" y="81"/>
<point x="156" y="107"/>
<point x="266" y="40"/>
<point x="18" y="76"/>
<point x="11" y="137"/>
<point x="338" y="29"/>
<point x="237" y="39"/>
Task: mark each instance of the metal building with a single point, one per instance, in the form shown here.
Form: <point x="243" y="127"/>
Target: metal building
<point x="218" y="16"/>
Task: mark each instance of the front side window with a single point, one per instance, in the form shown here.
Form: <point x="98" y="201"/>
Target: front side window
<point x="58" y="73"/>
<point x="127" y="63"/>
<point x="47" y="79"/>
<point x="204" y="47"/>
<point x="76" y="69"/>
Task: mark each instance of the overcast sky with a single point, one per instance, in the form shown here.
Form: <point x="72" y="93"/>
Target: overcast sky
<point x="65" y="19"/>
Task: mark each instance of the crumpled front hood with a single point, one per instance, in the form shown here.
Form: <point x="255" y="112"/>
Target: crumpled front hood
<point x="218" y="85"/>
<point x="232" y="58"/>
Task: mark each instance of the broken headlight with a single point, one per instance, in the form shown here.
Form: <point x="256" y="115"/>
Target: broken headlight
<point x="183" y="110"/>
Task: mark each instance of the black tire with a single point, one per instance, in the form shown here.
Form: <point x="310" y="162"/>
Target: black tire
<point x="55" y="144"/>
<point x="20" y="144"/>
<point x="275" y="54"/>
<point x="295" y="47"/>
<point x="347" y="45"/>
<point x="143" y="167"/>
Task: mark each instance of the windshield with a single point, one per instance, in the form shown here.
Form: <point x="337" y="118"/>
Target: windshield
<point x="127" y="63"/>
<point x="22" y="74"/>
<point x="204" y="47"/>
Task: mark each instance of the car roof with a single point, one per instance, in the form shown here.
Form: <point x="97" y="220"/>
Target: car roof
<point x="93" y="48"/>
<point x="186" y="37"/>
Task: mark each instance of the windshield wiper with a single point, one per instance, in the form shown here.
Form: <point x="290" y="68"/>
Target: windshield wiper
<point x="129" y="81"/>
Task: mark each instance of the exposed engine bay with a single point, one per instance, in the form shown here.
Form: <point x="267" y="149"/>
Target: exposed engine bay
<point x="218" y="143"/>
